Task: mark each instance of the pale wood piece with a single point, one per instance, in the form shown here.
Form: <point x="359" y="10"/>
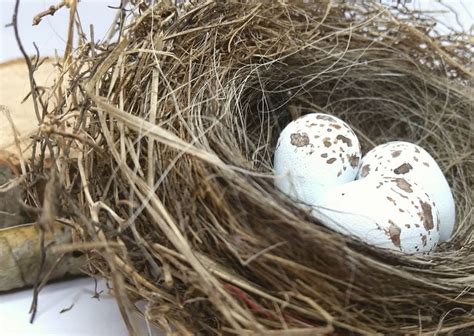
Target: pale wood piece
<point x="14" y="87"/>
<point x="20" y="255"/>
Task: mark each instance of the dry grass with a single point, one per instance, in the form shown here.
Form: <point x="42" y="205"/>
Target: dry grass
<point x="174" y="128"/>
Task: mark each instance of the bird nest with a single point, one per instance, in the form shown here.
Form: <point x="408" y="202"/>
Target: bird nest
<point x="163" y="144"/>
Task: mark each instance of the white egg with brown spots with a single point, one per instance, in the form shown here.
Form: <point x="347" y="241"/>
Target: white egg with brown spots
<point x="404" y="159"/>
<point x="386" y="212"/>
<point x="314" y="152"/>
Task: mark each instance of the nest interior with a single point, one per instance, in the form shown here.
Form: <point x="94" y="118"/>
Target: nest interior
<point x="164" y="142"/>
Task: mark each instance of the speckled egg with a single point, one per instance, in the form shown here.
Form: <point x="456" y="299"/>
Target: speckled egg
<point x="387" y="212"/>
<point x="404" y="159"/>
<point x="314" y="152"/>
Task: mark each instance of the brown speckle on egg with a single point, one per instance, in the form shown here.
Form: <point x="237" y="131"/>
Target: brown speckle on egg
<point x="339" y="173"/>
<point x="403" y="185"/>
<point x="299" y="139"/>
<point x="396" y="153"/>
<point x="336" y="126"/>
<point x="407" y="226"/>
<point x="399" y="194"/>
<point x="427" y="215"/>
<point x="344" y="139"/>
<point x="392" y="200"/>
<point x="403" y="169"/>
<point x="354" y="160"/>
<point x="324" y="155"/>
<point x="393" y="232"/>
<point x="325" y="117"/>
<point x="426" y="164"/>
<point x="327" y="142"/>
<point x="365" y="170"/>
<point x="424" y="240"/>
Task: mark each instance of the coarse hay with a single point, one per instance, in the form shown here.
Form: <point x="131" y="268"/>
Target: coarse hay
<point x="171" y="190"/>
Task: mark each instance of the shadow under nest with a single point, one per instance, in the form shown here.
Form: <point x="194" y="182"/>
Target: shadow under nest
<point x="177" y="189"/>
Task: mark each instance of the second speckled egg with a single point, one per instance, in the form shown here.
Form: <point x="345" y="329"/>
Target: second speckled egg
<point x="408" y="160"/>
<point x="386" y="212"/>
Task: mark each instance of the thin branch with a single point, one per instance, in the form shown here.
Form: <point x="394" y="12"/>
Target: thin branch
<point x="31" y="69"/>
<point x="50" y="11"/>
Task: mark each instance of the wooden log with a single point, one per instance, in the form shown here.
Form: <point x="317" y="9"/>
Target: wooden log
<point x="10" y="195"/>
<point x="20" y="255"/>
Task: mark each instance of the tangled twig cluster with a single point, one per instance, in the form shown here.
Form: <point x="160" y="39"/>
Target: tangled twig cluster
<point x="163" y="144"/>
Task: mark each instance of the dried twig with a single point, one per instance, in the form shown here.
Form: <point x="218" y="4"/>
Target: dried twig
<point x="50" y="11"/>
<point x="31" y="69"/>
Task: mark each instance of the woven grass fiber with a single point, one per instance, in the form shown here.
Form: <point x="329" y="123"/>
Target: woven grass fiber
<point x="163" y="144"/>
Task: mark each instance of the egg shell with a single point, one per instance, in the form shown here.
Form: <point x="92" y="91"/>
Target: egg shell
<point x="405" y="159"/>
<point x="387" y="212"/>
<point x="314" y="152"/>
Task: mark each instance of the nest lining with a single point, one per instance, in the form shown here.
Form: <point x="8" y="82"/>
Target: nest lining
<point x="173" y="178"/>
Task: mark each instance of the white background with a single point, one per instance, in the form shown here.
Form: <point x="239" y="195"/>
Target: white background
<point x="90" y="316"/>
<point x="51" y="32"/>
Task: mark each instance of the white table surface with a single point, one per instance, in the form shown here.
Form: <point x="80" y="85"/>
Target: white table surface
<point x="88" y="315"/>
